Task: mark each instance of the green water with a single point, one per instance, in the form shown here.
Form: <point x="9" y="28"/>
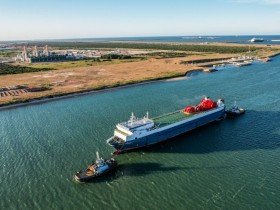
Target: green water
<point x="230" y="164"/>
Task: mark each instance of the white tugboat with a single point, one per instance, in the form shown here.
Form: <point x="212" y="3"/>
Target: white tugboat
<point x="235" y="111"/>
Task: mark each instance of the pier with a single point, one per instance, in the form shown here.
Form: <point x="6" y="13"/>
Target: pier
<point x="243" y="61"/>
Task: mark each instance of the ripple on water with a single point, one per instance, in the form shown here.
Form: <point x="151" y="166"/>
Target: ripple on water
<point x="230" y="164"/>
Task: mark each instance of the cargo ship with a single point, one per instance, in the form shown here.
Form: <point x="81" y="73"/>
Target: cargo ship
<point x="137" y="133"/>
<point x="257" y="40"/>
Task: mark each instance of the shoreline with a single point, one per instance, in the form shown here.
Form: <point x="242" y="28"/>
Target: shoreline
<point x="91" y="92"/>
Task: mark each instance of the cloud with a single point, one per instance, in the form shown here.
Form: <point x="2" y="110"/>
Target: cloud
<point x="267" y="2"/>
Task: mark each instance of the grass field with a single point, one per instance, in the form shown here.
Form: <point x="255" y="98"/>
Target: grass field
<point x="88" y="77"/>
<point x="8" y="54"/>
<point x="76" y="63"/>
<point x="84" y="75"/>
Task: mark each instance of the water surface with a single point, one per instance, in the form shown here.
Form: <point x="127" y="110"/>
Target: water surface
<point x="193" y="39"/>
<point x="230" y="164"/>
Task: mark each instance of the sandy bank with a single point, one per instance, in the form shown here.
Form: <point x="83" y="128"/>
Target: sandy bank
<point x="72" y="95"/>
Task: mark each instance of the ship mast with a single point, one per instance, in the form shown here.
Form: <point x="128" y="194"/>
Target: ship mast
<point x="97" y="156"/>
<point x="131" y="119"/>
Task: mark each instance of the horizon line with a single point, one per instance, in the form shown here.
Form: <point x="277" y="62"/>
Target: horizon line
<point x="129" y="37"/>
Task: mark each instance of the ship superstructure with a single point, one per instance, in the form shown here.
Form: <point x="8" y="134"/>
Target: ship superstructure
<point x="143" y="132"/>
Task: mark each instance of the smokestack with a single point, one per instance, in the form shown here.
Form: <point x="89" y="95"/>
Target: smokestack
<point x="36" y="51"/>
<point x="24" y="54"/>
<point x="47" y="51"/>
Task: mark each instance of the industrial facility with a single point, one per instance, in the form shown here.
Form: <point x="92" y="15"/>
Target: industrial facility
<point x="33" y="55"/>
<point x="45" y="56"/>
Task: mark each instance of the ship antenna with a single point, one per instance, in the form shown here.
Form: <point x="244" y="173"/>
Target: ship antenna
<point x="131" y="119"/>
<point x="147" y="115"/>
<point x="220" y="96"/>
<point x="97" y="156"/>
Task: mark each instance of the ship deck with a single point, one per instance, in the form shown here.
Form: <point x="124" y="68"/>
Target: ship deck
<point x="85" y="174"/>
<point x="174" y="117"/>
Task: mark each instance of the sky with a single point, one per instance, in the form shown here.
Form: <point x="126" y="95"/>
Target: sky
<point x="61" y="19"/>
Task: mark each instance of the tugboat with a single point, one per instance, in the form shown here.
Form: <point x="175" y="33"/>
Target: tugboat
<point x="235" y="111"/>
<point x="97" y="169"/>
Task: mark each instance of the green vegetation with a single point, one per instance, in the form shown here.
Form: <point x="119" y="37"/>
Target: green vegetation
<point x="158" y="46"/>
<point x="168" y="54"/>
<point x="165" y="75"/>
<point x="45" y="86"/>
<point x="77" y="63"/>
<point x="202" y="60"/>
<point x="8" y="54"/>
<point x="115" y="56"/>
<point x="96" y="59"/>
<point x="11" y="69"/>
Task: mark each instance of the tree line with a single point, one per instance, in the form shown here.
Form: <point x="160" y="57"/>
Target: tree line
<point x="115" y="56"/>
<point x="149" y="46"/>
<point x="11" y="69"/>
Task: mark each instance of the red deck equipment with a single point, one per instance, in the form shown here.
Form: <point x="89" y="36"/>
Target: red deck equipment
<point x="203" y="106"/>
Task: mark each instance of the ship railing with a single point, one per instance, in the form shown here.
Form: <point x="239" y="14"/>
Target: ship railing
<point x="187" y="116"/>
<point x="181" y="110"/>
<point x="121" y="132"/>
<point x="110" y="139"/>
<point x="114" y="140"/>
<point x="167" y="114"/>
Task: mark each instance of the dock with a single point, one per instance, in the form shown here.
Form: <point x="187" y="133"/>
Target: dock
<point x="243" y="64"/>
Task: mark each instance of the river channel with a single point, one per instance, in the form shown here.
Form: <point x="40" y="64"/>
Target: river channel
<point x="230" y="164"/>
